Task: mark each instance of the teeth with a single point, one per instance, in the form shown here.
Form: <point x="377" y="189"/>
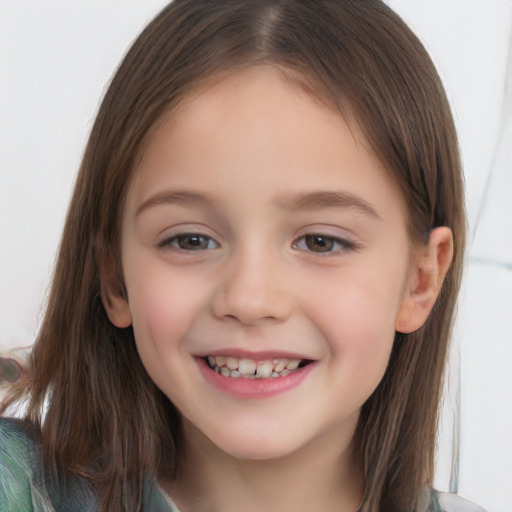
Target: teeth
<point x="293" y="364"/>
<point x="248" y="368"/>
<point x="264" y="369"/>
<point x="232" y="363"/>
<point x="280" y="364"/>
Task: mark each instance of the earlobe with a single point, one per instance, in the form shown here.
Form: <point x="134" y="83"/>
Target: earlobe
<point x="117" y="308"/>
<point x="429" y="270"/>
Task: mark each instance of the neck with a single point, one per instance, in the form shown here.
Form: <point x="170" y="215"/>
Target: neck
<point x="324" y="475"/>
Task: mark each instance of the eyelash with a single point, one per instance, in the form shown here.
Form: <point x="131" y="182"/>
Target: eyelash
<point x="175" y="240"/>
<point x="332" y="245"/>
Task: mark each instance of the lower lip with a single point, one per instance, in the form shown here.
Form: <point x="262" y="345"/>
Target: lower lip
<point x="254" y="388"/>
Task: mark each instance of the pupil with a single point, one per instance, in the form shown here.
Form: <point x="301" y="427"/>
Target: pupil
<point x="319" y="243"/>
<point x="193" y="242"/>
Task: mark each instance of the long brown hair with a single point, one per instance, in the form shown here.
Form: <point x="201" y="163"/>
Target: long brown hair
<point x="105" y="419"/>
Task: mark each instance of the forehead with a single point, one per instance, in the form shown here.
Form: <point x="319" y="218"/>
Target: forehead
<point x="236" y="92"/>
<point x="258" y="126"/>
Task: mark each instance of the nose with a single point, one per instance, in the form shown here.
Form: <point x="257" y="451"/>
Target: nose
<point x="253" y="289"/>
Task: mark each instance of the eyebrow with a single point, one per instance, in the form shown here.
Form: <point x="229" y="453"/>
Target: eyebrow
<point x="328" y="199"/>
<point x="308" y="201"/>
<point x="178" y="197"/>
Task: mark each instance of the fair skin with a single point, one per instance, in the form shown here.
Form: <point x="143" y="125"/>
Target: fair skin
<point x="260" y="230"/>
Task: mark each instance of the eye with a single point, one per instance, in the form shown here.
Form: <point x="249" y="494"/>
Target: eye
<point x="323" y="244"/>
<point x="190" y="242"/>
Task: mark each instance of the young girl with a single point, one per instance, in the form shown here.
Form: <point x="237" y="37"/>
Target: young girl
<point x="255" y="288"/>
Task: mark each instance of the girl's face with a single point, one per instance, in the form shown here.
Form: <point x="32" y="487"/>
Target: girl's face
<point x="260" y="233"/>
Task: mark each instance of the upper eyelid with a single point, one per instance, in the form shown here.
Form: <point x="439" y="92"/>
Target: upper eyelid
<point x="331" y="229"/>
<point x="168" y="239"/>
<point x="340" y="239"/>
<point x="171" y="232"/>
<point x="328" y="231"/>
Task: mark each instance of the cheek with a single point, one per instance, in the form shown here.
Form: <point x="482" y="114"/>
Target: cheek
<point x="161" y="320"/>
<point x="356" y="315"/>
<point x="361" y="310"/>
<point x="163" y="306"/>
<point x="360" y="335"/>
<point x="362" y="340"/>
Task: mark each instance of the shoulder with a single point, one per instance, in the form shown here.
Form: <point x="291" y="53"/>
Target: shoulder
<point x="24" y="483"/>
<point x="448" y="502"/>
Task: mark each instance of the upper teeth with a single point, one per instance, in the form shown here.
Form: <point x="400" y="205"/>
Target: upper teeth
<point x="233" y="367"/>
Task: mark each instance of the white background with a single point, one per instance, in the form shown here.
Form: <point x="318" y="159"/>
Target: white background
<point x="56" y="58"/>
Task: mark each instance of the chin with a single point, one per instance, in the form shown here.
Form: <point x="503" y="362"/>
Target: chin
<point x="257" y="447"/>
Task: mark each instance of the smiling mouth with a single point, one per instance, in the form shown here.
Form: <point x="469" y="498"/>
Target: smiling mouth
<point x="250" y="369"/>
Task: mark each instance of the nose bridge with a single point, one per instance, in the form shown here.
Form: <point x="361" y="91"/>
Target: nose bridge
<point x="253" y="286"/>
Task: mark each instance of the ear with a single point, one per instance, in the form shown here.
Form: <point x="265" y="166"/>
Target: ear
<point x="430" y="266"/>
<point x="115" y="303"/>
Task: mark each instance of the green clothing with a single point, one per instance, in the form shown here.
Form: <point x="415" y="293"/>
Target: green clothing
<point x="24" y="489"/>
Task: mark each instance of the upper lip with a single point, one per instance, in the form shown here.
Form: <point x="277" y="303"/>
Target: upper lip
<point x="255" y="355"/>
